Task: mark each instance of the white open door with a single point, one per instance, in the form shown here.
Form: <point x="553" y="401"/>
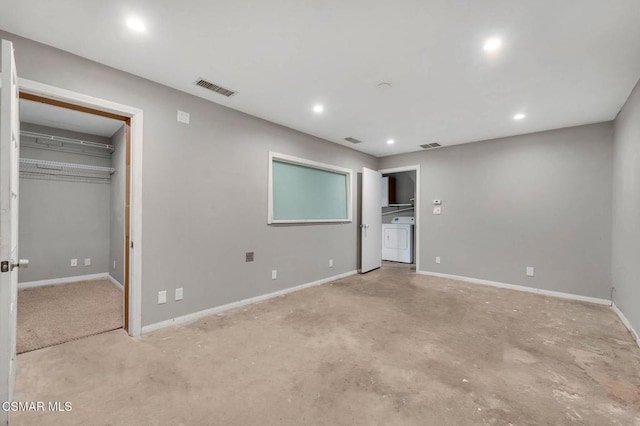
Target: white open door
<point x="9" y="154"/>
<point x="371" y="225"/>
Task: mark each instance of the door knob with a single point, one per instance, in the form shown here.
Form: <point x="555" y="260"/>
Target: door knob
<point x="9" y="265"/>
<point x="22" y="263"/>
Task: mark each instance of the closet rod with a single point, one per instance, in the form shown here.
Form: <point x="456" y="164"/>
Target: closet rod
<point x="66" y="140"/>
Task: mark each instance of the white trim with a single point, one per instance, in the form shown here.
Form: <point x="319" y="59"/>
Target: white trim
<point x="316" y="165"/>
<point x="626" y="323"/>
<point x="136" y="115"/>
<point x="521" y="288"/>
<point x="115" y="282"/>
<point x="416" y="207"/>
<point x="64" y="280"/>
<point x="200" y="314"/>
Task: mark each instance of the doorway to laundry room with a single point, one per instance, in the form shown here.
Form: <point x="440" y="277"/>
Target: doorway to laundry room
<point x="73" y="180"/>
<point x="399" y="210"/>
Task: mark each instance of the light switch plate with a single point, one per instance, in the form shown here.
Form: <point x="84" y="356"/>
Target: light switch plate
<point x="184" y="117"/>
<point x="437" y="210"/>
<point x="87" y="261"/>
<point x="162" y="297"/>
<point x="437" y="259"/>
<point x="179" y="293"/>
<point x="274" y="274"/>
<point x="330" y="263"/>
<point x="530" y="271"/>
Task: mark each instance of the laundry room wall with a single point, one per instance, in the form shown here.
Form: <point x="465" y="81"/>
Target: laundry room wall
<point x="117" y="204"/>
<point x="405" y="191"/>
<point x="61" y="220"/>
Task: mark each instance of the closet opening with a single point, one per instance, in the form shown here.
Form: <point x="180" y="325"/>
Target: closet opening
<point x="73" y="222"/>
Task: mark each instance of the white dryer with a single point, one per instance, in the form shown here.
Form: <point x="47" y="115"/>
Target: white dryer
<point x="397" y="240"/>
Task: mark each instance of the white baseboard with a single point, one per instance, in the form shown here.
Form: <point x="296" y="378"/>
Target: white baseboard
<point x="521" y="288"/>
<point x="200" y="314"/>
<point x="626" y="323"/>
<point x="115" y="282"/>
<point x="65" y="280"/>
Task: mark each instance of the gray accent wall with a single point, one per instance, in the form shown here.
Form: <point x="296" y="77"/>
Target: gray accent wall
<point x="61" y="220"/>
<point x="541" y="200"/>
<point x="204" y="194"/>
<point x="626" y="210"/>
<point x="117" y="204"/>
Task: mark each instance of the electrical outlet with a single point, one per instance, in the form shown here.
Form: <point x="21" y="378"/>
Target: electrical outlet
<point x="74" y="262"/>
<point x="114" y="264"/>
<point x="179" y="293"/>
<point x="162" y="297"/>
<point x="530" y="271"/>
<point x="437" y="259"/>
<point x="330" y="263"/>
<point x="87" y="261"/>
<point x="274" y="274"/>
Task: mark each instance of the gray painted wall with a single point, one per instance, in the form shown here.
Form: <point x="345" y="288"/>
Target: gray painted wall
<point x="626" y="210"/>
<point x="117" y="203"/>
<point x="61" y="220"/>
<point x="541" y="200"/>
<point x="196" y="180"/>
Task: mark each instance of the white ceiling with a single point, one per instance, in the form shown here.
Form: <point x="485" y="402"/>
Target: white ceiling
<point x="562" y="63"/>
<point x="67" y="119"/>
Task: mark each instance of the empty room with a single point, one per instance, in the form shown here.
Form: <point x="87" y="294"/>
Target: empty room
<point x="290" y="213"/>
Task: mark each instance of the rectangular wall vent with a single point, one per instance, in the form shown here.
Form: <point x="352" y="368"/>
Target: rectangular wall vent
<point x="352" y="140"/>
<point x="431" y="145"/>
<point x="215" y="88"/>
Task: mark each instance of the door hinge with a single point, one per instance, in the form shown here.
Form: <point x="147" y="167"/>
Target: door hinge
<point x="4" y="266"/>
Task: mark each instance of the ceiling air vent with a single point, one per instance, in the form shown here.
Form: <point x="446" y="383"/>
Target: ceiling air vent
<point x="431" y="145"/>
<point x="215" y="88"/>
<point x="352" y="140"/>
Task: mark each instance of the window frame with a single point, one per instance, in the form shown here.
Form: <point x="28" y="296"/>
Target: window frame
<point x="289" y="159"/>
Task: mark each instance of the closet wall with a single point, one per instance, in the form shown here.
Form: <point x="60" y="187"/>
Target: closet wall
<point x="62" y="220"/>
<point x="118" y="182"/>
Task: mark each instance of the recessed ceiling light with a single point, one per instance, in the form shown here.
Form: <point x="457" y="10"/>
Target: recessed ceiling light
<point x="519" y="116"/>
<point x="136" y="25"/>
<point x="390" y="141"/>
<point x="492" y="44"/>
<point x="318" y="108"/>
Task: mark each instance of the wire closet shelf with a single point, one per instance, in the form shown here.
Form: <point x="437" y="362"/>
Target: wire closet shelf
<point x="54" y="170"/>
<point x="61" y="139"/>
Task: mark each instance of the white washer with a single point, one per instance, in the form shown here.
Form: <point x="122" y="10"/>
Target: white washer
<point x="397" y="240"/>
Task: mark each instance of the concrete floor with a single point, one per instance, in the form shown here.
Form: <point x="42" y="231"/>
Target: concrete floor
<point x="389" y="347"/>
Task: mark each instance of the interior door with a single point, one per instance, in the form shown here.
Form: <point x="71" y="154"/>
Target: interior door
<point x="371" y="224"/>
<point x="9" y="154"/>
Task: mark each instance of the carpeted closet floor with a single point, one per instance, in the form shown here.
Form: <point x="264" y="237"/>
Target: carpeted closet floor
<point x="55" y="314"/>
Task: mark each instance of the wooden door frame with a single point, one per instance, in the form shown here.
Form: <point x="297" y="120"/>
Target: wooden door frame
<point x="132" y="117"/>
